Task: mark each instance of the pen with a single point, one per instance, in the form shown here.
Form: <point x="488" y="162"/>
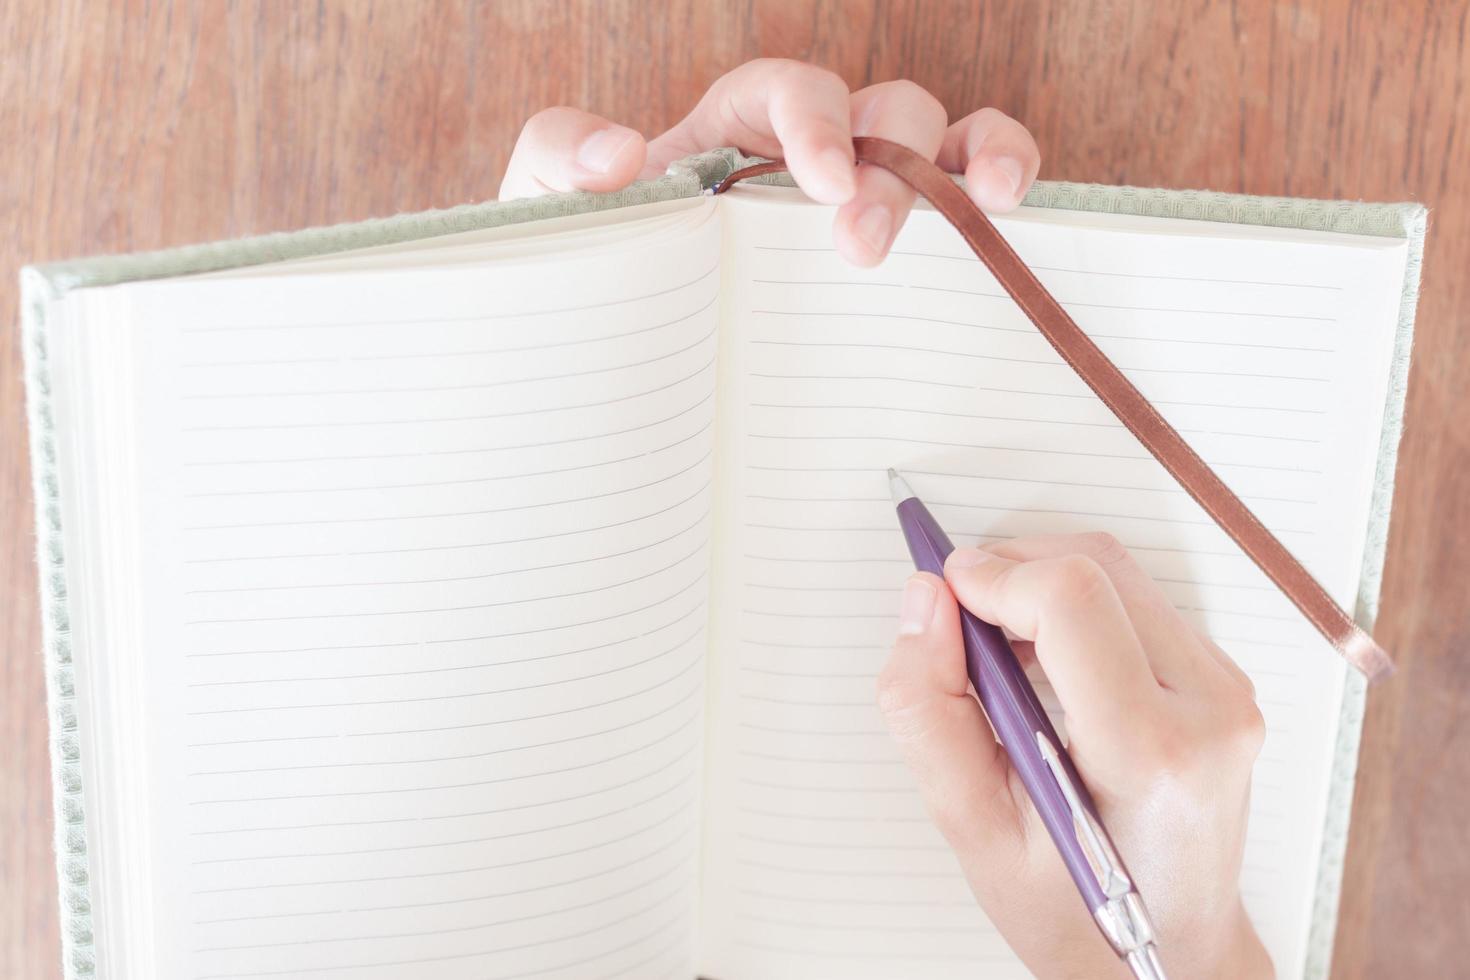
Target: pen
<point x="1027" y="735"/>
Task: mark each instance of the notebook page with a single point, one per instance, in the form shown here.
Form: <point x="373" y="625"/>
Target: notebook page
<point x="1268" y="351"/>
<point x="424" y="608"/>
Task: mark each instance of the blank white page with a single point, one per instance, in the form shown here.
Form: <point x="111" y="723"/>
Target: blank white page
<point x="424" y="600"/>
<point x="1268" y="350"/>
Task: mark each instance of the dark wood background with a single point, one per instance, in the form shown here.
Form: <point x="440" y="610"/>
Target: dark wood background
<point x="132" y="125"/>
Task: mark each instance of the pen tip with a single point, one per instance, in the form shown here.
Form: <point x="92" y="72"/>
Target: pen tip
<point x="898" y="487"/>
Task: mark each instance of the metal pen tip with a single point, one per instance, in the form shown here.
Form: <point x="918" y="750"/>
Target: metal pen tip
<point x="898" y="486"/>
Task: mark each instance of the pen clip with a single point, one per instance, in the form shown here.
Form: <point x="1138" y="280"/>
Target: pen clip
<point x="1112" y="878"/>
<point x="1122" y="917"/>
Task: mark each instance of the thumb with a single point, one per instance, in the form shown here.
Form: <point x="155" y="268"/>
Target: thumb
<point x="563" y="149"/>
<point x="926" y="701"/>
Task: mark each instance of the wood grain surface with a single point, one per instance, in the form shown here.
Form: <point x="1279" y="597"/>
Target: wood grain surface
<point x="132" y="125"/>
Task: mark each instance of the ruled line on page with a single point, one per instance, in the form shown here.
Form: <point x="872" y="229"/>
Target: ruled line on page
<point x="938" y="848"/>
<point x="486" y="416"/>
<point x="453" y="547"/>
<point x="477" y="577"/>
<point x="1081" y="396"/>
<point x="847" y="953"/>
<point x="833" y="732"/>
<point x="808" y="788"/>
<point x="451" y="640"/>
<point x="818" y="760"/>
<point x="559" y="910"/>
<point x="844" y="647"/>
<point x="967" y="903"/>
<point x="832" y="560"/>
<point x="463" y="481"/>
<point x="378" y="518"/>
<point x="831" y="817"/>
<point x="407" y="356"/>
<point x="844" y="872"/>
<point x="465" y="318"/>
<point x="683" y="805"/>
<point x="1018" y="510"/>
<point x="894" y="589"/>
<point x="373" y="613"/>
<point x="1052" y="268"/>
<point x="815" y="702"/>
<point x="661" y="741"/>
<point x="468" y="451"/>
<point x="429" y="760"/>
<point x="1103" y="306"/>
<point x="452" y="728"/>
<point x="688" y="854"/>
<point x="835" y="675"/>
<point x="864" y="927"/>
<point x="1051" y="362"/>
<point x="1172" y="487"/>
<point x="1138" y="457"/>
<point x="372" y="879"/>
<point x="1111" y="515"/>
<point x="457" y="695"/>
<point x="479" y="665"/>
<point x="926" y="382"/>
<point x="977" y="416"/>
<point x="817" y="615"/>
<point x="480" y="953"/>
<point x="914" y="317"/>
<point x="820" y="588"/>
<point x="459" y="815"/>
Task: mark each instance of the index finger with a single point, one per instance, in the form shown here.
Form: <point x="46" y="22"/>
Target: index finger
<point x="775" y="108"/>
<point x="1181" y="655"/>
<point x="1083" y="640"/>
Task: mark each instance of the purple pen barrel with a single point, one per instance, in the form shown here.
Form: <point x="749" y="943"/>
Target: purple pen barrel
<point x="1011" y="704"/>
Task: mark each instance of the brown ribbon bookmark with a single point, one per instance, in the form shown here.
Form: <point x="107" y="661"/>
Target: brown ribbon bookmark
<point x="1118" y="393"/>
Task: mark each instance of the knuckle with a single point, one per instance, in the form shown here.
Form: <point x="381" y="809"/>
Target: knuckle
<point x="1074" y="580"/>
<point x="545" y="121"/>
<point x="790" y="74"/>
<point x="895" y="696"/>
<point x="1102" y="547"/>
<point x="917" y="100"/>
<point x="1247" y="685"/>
<point x="984" y="119"/>
<point x="1246" y="729"/>
<point x="907" y="710"/>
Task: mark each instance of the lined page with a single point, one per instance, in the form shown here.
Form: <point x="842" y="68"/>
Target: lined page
<point x="1268" y="352"/>
<point x="426" y="612"/>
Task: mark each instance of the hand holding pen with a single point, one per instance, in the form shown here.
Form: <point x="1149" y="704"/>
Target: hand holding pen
<point x="1163" y="730"/>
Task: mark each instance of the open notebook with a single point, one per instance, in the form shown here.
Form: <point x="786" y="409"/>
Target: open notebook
<point x="508" y="603"/>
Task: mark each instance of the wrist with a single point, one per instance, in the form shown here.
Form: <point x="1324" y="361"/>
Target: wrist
<point x="1244" y="956"/>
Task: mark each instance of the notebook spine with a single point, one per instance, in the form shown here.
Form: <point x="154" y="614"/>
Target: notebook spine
<point x="69" y="811"/>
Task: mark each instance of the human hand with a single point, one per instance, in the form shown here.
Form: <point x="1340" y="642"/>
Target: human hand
<point x="805" y="114"/>
<point x="1162" y="726"/>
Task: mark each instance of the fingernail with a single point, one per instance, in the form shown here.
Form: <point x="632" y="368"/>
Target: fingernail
<point x="967" y="558"/>
<point x="917" y="609"/>
<point x="874" y="227"/>
<point x="598" y="151"/>
<point x="835" y="183"/>
<point x="1012" y="171"/>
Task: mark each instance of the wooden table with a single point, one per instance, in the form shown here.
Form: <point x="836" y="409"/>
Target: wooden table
<point x="132" y="126"/>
